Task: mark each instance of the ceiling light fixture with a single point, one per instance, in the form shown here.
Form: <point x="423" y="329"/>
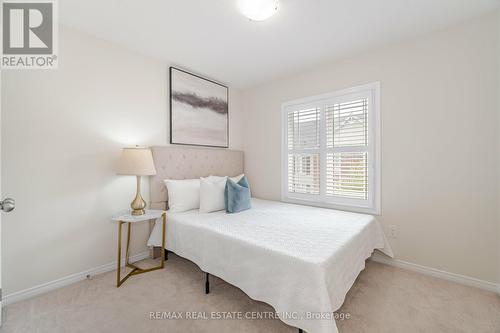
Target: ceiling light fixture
<point x="258" y="10"/>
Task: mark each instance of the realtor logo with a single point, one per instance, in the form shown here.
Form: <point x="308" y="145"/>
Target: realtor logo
<point x="29" y="34"/>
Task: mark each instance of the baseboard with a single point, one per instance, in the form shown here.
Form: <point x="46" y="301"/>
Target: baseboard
<point x="52" y="285"/>
<point x="462" y="279"/>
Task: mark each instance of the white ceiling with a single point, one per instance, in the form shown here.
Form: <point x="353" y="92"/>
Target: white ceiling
<point x="212" y="38"/>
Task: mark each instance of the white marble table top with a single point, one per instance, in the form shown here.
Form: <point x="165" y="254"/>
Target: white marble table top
<point x="129" y="218"/>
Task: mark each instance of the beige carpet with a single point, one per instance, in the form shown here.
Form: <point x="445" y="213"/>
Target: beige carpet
<point x="383" y="299"/>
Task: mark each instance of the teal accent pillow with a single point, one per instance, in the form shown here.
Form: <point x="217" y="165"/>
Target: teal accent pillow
<point x="237" y="195"/>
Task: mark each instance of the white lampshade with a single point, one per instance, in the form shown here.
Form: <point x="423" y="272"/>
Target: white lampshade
<point x="136" y="162"/>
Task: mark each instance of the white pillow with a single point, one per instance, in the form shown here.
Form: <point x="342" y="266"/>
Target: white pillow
<point x="212" y="194"/>
<point x="234" y="179"/>
<point x="183" y="195"/>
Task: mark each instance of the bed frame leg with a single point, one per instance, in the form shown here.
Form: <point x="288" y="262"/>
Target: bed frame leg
<point x="301" y="331"/>
<point x="166" y="254"/>
<point x="207" y="284"/>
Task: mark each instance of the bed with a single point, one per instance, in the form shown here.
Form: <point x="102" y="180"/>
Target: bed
<point x="301" y="260"/>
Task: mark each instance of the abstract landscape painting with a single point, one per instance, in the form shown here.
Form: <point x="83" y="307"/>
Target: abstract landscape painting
<point x="198" y="110"/>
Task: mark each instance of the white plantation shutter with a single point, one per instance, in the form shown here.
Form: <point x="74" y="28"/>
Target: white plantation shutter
<point x="347" y="175"/>
<point x="329" y="149"/>
<point x="303" y="130"/>
<point x="347" y="124"/>
<point x="303" y="173"/>
<point x="347" y="149"/>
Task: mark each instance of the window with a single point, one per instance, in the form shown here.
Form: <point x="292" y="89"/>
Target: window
<point x="330" y="150"/>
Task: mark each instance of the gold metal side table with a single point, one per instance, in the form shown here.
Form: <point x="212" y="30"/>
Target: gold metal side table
<point x="130" y="219"/>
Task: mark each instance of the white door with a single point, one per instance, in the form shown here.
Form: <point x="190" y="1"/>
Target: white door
<point x="0" y="195"/>
<point x="5" y="205"/>
<point x="1" y="115"/>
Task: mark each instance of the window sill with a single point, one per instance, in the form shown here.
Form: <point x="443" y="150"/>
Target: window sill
<point x="312" y="203"/>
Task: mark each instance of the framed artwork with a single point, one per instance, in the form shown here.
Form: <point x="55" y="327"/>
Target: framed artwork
<point x="199" y="112"/>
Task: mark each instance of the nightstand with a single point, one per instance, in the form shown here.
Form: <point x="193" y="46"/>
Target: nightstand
<point x="130" y="219"/>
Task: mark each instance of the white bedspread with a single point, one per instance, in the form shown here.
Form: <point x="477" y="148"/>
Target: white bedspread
<point x="298" y="259"/>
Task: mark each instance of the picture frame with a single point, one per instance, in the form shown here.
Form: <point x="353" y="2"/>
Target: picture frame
<point x="199" y="110"/>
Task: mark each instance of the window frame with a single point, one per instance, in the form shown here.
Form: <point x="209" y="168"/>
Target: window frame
<point x="372" y="204"/>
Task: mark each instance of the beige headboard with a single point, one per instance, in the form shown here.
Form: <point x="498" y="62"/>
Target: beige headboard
<point x="174" y="162"/>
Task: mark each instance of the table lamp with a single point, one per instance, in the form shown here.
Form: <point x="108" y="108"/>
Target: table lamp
<point x="137" y="162"/>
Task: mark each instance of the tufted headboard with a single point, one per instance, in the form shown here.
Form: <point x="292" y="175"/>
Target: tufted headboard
<point x="173" y="162"/>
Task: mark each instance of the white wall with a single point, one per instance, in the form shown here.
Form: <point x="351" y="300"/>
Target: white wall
<point x="62" y="131"/>
<point x="439" y="141"/>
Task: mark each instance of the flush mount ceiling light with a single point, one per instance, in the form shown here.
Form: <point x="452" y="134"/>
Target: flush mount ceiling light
<point x="258" y="10"/>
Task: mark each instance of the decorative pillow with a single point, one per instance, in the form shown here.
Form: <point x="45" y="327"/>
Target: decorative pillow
<point x="235" y="178"/>
<point x="212" y="194"/>
<point x="237" y="196"/>
<point x="183" y="195"/>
